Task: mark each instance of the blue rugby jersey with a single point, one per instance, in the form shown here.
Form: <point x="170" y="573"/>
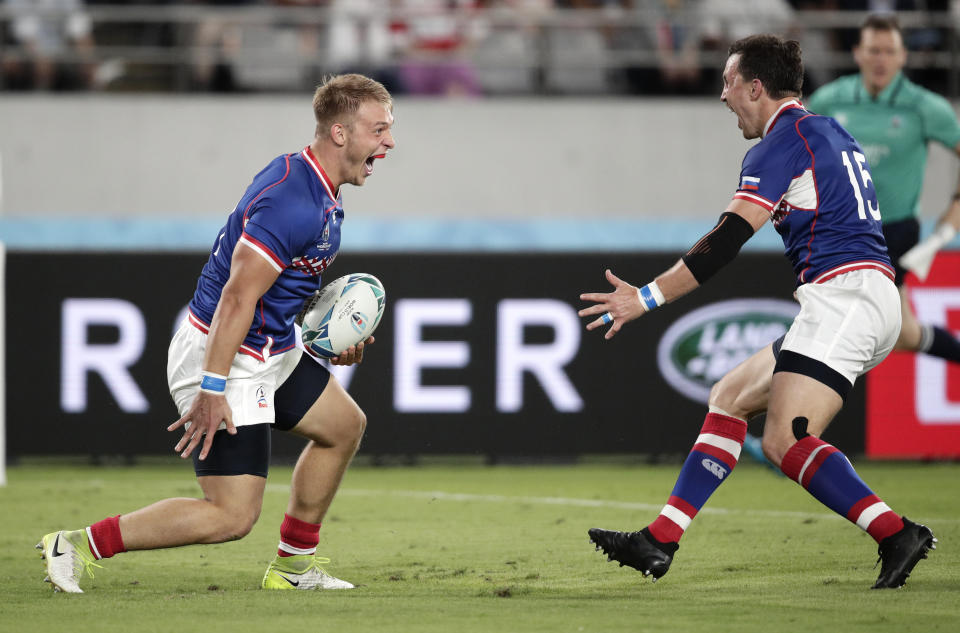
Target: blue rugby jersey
<point x="290" y="216"/>
<point x="813" y="178"/>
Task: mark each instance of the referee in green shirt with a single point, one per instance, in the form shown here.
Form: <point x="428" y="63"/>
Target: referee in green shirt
<point x="894" y="119"/>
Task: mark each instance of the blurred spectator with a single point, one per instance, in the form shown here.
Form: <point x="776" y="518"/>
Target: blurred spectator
<point x="436" y="38"/>
<point x="53" y="46"/>
<point x="820" y="45"/>
<point x="578" y="50"/>
<point x="275" y="55"/>
<point x="216" y="43"/>
<point x="726" y="21"/>
<point x="508" y="54"/>
<point x="359" y="40"/>
<point x="678" y="48"/>
<point x="670" y="29"/>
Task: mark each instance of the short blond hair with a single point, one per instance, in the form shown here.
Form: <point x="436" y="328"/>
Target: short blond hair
<point x="339" y="98"/>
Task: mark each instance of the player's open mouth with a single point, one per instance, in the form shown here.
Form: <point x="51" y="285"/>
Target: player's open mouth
<point x="739" y="120"/>
<point x="368" y="164"/>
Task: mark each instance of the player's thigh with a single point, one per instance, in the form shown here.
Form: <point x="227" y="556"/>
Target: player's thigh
<point x="335" y="419"/>
<point x="239" y="497"/>
<point x="313" y="404"/>
<point x="745" y="389"/>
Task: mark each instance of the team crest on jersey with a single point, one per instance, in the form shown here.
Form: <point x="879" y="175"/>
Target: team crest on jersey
<point x="749" y="183"/>
<point x="312" y="266"/>
<point x="262" y="398"/>
<point x="780" y="213"/>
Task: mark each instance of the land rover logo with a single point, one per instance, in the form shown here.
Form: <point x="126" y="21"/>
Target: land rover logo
<point x="700" y="347"/>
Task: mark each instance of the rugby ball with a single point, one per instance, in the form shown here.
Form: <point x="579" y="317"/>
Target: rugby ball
<point x="345" y="312"/>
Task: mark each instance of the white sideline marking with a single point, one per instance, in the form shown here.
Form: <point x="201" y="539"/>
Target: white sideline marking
<point x="439" y="495"/>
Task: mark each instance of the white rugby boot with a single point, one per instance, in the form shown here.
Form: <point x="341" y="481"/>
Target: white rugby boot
<point x="67" y="557"/>
<point x="301" y="572"/>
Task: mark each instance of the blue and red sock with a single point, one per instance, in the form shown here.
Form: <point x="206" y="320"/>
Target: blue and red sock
<point x="939" y="342"/>
<point x="827" y="474"/>
<point x="713" y="456"/>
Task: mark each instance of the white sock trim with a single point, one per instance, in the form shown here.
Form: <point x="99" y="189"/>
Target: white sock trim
<point x="93" y="544"/>
<point x="809" y="461"/>
<point x="724" y="443"/>
<point x="719" y="411"/>
<point x="926" y="338"/>
<point x="677" y="516"/>
<point x="869" y="514"/>
<point x="296" y="551"/>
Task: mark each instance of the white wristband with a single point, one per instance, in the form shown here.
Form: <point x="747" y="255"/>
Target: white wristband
<point x="650" y="296"/>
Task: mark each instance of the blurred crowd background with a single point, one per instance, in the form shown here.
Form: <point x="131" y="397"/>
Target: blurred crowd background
<point x="478" y="48"/>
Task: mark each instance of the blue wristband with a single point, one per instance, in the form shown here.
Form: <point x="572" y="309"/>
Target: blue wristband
<point x="212" y="383"/>
<point x="651" y="296"/>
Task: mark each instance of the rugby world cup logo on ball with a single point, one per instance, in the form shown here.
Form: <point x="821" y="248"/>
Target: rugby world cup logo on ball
<point x="340" y="315"/>
<point x="703" y="345"/>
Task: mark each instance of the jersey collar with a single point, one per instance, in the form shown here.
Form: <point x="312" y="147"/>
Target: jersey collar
<point x="322" y="175"/>
<point x="887" y="95"/>
<point x="793" y="104"/>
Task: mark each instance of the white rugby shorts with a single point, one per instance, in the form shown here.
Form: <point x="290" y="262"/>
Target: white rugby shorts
<point x="849" y="322"/>
<point x="250" y="386"/>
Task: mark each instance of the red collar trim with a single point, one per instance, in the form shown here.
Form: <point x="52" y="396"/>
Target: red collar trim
<point x="793" y="104"/>
<point x="322" y="175"/>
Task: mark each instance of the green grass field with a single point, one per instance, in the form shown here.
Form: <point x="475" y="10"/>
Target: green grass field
<point x="473" y="548"/>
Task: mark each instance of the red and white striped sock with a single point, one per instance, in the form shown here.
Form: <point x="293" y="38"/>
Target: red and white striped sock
<point x="828" y="475"/>
<point x="712" y="458"/>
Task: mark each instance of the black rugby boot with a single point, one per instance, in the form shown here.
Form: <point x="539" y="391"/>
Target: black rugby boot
<point x="900" y="552"/>
<point x="635" y="549"/>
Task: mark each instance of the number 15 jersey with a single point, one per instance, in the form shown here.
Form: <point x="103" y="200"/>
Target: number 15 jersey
<point x="813" y="178"/>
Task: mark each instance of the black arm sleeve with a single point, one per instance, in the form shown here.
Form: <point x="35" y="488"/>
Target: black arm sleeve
<point x="717" y="248"/>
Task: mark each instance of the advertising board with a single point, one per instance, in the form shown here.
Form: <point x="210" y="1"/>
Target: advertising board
<point x="913" y="400"/>
<point x="477" y="354"/>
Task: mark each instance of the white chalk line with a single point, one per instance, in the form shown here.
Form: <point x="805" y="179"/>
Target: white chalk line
<point x="439" y="495"/>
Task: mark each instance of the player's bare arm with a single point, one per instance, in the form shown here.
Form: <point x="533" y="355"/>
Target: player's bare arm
<point x="919" y="259"/>
<point x="250" y="277"/>
<point x="717" y="248"/>
<point x="952" y="214"/>
<point x="951" y="217"/>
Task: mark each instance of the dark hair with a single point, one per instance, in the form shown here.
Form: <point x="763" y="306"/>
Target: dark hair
<point x="774" y="61"/>
<point x="881" y="22"/>
<point x="340" y="96"/>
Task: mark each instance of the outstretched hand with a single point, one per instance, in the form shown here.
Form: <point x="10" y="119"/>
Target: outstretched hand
<point x="204" y="417"/>
<point x="618" y="307"/>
